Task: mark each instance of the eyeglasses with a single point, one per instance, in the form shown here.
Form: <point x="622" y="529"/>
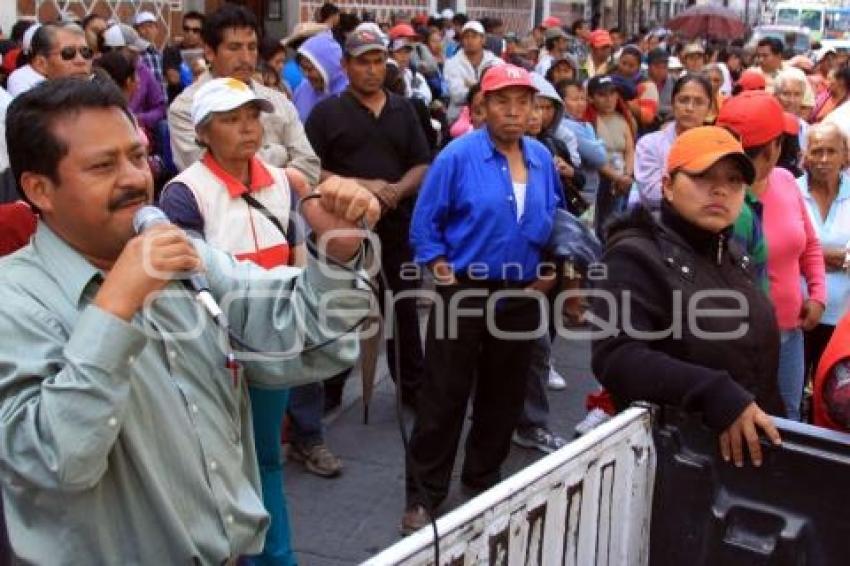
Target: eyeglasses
<point x="190" y="29"/>
<point x="68" y="53"/>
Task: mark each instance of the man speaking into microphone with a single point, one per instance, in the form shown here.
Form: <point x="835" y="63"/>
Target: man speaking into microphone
<point x="125" y="437"/>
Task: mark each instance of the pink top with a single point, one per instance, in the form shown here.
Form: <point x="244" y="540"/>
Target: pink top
<point x="793" y="249"/>
<point x="463" y="124"/>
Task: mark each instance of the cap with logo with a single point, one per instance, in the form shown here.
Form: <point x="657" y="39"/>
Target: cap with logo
<point x="600" y="83"/>
<point x="756" y="116"/>
<point x="506" y="76"/>
<point x="698" y="149"/>
<point x="474" y="26"/>
<point x="224" y="95"/>
<point x="144" y="17"/>
<point x="363" y="41"/>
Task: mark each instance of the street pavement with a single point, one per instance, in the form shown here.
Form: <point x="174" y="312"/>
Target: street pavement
<point x="346" y="520"/>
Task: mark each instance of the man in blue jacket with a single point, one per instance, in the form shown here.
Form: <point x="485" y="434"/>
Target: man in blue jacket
<point x="484" y="213"/>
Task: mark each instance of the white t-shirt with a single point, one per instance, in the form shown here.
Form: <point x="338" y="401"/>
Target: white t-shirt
<point x="519" y="195"/>
<point x="22" y="79"/>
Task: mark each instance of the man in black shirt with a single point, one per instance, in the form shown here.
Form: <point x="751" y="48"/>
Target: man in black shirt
<point x="374" y="136"/>
<point x="172" y="56"/>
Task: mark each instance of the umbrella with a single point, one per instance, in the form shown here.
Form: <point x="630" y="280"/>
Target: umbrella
<point x="708" y="20"/>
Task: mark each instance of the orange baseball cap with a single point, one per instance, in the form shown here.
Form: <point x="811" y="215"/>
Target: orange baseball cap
<point x="698" y="149"/>
<point x="751" y="80"/>
<point x="600" y="38"/>
<point x="552" y="22"/>
<point x="402" y="30"/>
<point x="754" y="115"/>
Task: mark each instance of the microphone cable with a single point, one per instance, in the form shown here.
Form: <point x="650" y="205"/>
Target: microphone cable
<point x="236" y="339"/>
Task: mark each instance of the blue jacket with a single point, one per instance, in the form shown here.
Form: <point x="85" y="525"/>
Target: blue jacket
<point x="325" y="54"/>
<point x="592" y="152"/>
<point x="466" y="210"/>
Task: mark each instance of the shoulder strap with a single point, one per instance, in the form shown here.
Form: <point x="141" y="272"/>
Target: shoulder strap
<point x="259" y="207"/>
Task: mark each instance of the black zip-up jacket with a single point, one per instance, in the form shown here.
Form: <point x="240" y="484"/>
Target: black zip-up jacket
<point x="649" y="263"/>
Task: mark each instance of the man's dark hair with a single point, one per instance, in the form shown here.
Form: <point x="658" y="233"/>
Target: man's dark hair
<point x="194" y="15"/>
<point x="32" y="144"/>
<point x="774" y="43"/>
<point x="577" y="24"/>
<point x="117" y="66"/>
<point x="459" y="19"/>
<point x="327" y="10"/>
<point x="88" y="19"/>
<point x="19" y="29"/>
<point x="492" y="24"/>
<point x="229" y="16"/>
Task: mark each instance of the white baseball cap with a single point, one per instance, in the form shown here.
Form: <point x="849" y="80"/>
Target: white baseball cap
<point x="223" y="95"/>
<point x="122" y="35"/>
<point x="447" y="14"/>
<point x="144" y="17"/>
<point x="26" y="42"/>
<point x="472" y="25"/>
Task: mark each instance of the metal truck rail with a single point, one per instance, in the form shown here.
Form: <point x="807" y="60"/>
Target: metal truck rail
<point x="588" y="503"/>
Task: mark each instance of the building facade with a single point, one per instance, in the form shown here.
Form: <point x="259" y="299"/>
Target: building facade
<point x="280" y="16"/>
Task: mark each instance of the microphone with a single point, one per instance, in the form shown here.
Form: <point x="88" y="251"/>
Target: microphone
<point x="150" y="216"/>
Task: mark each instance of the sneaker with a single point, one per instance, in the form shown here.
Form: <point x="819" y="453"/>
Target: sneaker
<point x="556" y="381"/>
<point x="538" y="438"/>
<point x="414" y="518"/>
<point x="593" y="419"/>
<point x="318" y="459"/>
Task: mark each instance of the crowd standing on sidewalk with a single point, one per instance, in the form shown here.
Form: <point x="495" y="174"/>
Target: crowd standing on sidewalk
<point x="477" y="157"/>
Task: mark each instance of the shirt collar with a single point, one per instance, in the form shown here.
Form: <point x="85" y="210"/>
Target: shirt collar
<point x="843" y="187"/>
<point x="260" y="176"/>
<point x="67" y="266"/>
<point x="489" y="151"/>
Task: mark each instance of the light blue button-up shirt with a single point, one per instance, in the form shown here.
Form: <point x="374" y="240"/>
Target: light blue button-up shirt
<point x="128" y="443"/>
<point x="833" y="232"/>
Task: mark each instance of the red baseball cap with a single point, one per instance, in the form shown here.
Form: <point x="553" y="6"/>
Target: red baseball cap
<point x="751" y="80"/>
<point x="756" y="116"/>
<point x="697" y="149"/>
<point x="791" y="124"/>
<point x="505" y="76"/>
<point x="402" y="30"/>
<point x="600" y="38"/>
<point x="552" y="22"/>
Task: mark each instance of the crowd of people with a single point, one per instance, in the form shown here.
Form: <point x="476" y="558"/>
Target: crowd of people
<point x="712" y="174"/>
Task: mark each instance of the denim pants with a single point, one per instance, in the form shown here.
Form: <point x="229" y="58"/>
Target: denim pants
<point x="791" y="371"/>
<point x="306" y="407"/>
<point x="268" y="407"/>
<point x="535" y="411"/>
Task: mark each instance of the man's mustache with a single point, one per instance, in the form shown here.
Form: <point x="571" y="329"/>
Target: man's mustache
<point x="126" y="197"/>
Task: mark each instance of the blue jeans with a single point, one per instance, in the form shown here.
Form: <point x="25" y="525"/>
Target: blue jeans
<point x="268" y="407"/>
<point x="306" y="406"/>
<point x="791" y="371"/>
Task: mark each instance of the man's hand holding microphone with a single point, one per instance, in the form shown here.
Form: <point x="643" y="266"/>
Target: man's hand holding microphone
<point x="164" y="252"/>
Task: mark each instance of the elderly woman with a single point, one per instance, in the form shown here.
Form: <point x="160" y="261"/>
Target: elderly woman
<point x="714" y="74"/>
<point x="789" y="88"/>
<point x="658" y="270"/>
<point x="242" y="205"/>
<point x="826" y="191"/>
<point x="691" y="99"/>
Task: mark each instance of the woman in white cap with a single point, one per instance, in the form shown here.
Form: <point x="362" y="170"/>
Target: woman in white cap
<point x="242" y="205"/>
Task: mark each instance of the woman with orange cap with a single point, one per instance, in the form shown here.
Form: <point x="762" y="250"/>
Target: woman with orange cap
<point x="663" y="274"/>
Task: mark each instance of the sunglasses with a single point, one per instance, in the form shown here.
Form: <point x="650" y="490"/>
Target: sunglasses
<point x="68" y="53"/>
<point x="190" y="29"/>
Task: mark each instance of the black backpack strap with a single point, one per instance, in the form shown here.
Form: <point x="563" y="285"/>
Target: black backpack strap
<point x="289" y="235"/>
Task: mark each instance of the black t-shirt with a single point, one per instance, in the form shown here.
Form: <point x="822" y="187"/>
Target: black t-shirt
<point x="353" y="142"/>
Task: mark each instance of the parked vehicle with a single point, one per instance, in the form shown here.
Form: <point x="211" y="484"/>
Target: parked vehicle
<point x="797" y="40"/>
<point x="649" y="488"/>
